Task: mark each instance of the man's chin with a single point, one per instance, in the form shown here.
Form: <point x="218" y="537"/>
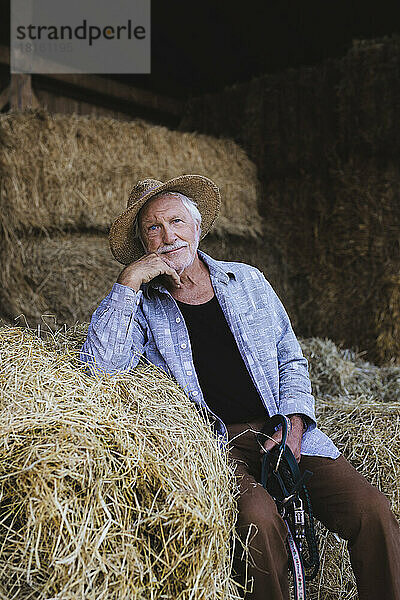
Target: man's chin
<point x="177" y="261"/>
<point x="174" y="261"/>
<point x="169" y="261"/>
<point x="178" y="266"/>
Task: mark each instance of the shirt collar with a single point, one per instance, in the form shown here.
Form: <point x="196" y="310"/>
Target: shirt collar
<point x="218" y="270"/>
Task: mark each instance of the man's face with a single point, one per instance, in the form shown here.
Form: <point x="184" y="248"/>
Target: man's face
<point x="168" y="229"/>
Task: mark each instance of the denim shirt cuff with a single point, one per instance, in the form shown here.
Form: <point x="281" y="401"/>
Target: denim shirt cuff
<point x="122" y="296"/>
<point x="299" y="408"/>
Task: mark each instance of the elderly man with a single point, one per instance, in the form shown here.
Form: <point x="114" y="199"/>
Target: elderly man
<point x="220" y="330"/>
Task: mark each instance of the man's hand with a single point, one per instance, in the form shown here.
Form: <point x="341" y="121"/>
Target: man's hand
<point x="145" y="269"/>
<point x="293" y="439"/>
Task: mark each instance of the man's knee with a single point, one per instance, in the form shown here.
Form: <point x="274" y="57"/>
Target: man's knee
<point x="374" y="505"/>
<point x="344" y="500"/>
<point x="369" y="508"/>
<point x="371" y="502"/>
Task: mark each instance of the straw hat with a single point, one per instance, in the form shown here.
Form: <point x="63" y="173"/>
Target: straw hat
<point x="125" y="247"/>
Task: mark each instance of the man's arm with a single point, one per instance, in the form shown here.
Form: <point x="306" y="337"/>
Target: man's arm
<point x="117" y="334"/>
<point x="295" y="398"/>
<point x="115" y="337"/>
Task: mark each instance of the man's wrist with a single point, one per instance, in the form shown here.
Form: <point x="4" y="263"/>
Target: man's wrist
<point x="128" y="282"/>
<point x="298" y="421"/>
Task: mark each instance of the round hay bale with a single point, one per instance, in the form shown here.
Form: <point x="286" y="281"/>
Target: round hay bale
<point x="110" y="487"/>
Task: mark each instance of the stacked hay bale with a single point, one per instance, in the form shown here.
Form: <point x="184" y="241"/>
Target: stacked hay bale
<point x="66" y="178"/>
<point x="325" y="142"/>
<point x="110" y="488"/>
<point x="346" y="267"/>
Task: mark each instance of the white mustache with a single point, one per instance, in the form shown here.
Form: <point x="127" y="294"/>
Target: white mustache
<point x="170" y="247"/>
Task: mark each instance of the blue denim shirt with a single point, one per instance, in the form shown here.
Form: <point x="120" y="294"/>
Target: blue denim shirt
<point x="129" y="324"/>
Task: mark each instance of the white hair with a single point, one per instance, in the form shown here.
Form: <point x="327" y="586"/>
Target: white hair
<point x="188" y="203"/>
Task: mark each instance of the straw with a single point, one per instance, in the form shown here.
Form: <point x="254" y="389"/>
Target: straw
<point x="326" y="145"/>
<point x="358" y="406"/>
<point x="74" y="172"/>
<point x="114" y="487"/>
<point x="111" y="487"/>
<point x="65" y="174"/>
<point x="67" y="275"/>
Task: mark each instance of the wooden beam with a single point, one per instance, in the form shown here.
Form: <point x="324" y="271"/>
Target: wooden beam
<point x="4" y="97"/>
<point x="21" y="93"/>
<point x="108" y="87"/>
<point x="4" y="55"/>
<point x="120" y="91"/>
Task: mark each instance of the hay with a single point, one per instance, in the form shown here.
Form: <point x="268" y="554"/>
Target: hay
<point x="67" y="275"/>
<point x="368" y="91"/>
<point x="345" y="374"/>
<point x="283" y="120"/>
<point x="70" y="172"/>
<point x="111" y="487"/>
<point x="358" y="406"/>
<point x="131" y="461"/>
<point x="324" y="139"/>
<point x="349" y="258"/>
<point x="293" y="120"/>
<point x="368" y="434"/>
<point x="67" y="173"/>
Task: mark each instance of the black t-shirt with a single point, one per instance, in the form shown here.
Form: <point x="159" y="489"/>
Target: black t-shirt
<point x="226" y="383"/>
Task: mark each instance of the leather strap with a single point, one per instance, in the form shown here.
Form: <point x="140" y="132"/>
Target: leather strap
<point x="281" y="476"/>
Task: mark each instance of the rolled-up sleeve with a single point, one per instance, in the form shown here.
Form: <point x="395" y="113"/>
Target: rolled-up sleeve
<point x="115" y="336"/>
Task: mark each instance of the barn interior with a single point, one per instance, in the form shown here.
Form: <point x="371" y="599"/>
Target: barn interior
<point x="309" y="93"/>
<point x="293" y="110"/>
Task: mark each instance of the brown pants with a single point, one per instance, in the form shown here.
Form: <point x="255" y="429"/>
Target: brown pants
<point x="341" y="499"/>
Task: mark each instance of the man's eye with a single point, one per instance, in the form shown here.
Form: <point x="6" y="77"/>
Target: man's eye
<point x="152" y="227"/>
<point x="176" y="220"/>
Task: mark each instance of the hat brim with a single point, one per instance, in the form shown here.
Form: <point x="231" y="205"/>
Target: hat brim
<point x="127" y="249"/>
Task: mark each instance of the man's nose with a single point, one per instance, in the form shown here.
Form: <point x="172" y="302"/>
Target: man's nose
<point x="169" y="236"/>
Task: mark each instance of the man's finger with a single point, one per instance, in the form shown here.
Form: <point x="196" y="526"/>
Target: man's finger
<point x="175" y="276"/>
<point x="273" y="441"/>
<point x="170" y="271"/>
<point x="295" y="446"/>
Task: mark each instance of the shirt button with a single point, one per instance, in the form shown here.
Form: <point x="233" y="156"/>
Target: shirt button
<point x="195" y="393"/>
<point x="183" y="345"/>
<point x="177" y="320"/>
<point x="189" y="372"/>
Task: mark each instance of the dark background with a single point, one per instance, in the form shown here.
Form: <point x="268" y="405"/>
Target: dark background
<point x="200" y="47"/>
